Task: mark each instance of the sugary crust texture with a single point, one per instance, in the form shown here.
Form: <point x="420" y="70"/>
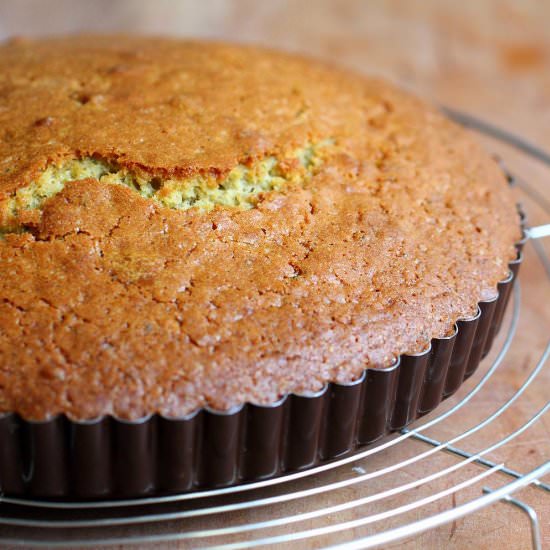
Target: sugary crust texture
<point x="112" y="304"/>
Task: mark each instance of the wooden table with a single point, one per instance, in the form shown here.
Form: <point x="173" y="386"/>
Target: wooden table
<point x="490" y="58"/>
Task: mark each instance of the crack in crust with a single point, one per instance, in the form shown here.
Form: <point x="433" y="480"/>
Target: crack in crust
<point x="240" y="188"/>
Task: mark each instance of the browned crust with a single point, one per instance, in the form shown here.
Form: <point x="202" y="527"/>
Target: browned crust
<point x="113" y="304"/>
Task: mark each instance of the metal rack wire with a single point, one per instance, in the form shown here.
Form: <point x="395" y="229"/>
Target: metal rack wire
<point x="332" y="499"/>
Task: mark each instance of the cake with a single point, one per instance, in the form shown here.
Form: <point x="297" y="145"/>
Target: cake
<point x="222" y="263"/>
<point x="188" y="224"/>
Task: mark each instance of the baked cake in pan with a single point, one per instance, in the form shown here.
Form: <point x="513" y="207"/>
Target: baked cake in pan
<point x="189" y="227"/>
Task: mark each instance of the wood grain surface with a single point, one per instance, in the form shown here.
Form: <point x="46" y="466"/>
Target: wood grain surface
<point x="490" y="58"/>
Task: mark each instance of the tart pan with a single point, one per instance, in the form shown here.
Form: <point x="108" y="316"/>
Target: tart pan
<point x="113" y="458"/>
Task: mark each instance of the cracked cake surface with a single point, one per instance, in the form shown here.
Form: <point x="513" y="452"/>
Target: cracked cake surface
<point x="188" y="224"/>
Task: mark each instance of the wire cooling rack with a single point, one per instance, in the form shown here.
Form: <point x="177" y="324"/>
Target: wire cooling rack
<point x="410" y="483"/>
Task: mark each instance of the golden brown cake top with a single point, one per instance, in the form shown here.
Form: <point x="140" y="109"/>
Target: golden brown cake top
<point x="186" y="224"/>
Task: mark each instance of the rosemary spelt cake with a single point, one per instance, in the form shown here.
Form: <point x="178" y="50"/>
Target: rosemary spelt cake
<point x="188" y="224"/>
